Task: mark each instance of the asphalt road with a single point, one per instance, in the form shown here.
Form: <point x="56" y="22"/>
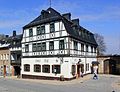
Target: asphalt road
<point x="103" y="84"/>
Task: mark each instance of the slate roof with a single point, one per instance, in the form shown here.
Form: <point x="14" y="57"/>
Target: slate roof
<point x="51" y="15"/>
<point x="10" y="40"/>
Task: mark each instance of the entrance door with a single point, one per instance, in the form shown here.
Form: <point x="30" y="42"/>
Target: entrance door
<point x="78" y="70"/>
<point x="4" y="70"/>
<point x="16" y="70"/>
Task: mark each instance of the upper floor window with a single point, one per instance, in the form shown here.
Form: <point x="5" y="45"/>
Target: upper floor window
<point x="42" y="29"/>
<point x="91" y="49"/>
<point x="46" y="68"/>
<point x="26" y="48"/>
<point x="27" y="67"/>
<point x="43" y="46"/>
<point x="39" y="46"/>
<point x="34" y="47"/>
<point x="38" y="31"/>
<point x="95" y="49"/>
<point x="56" y="69"/>
<point x="86" y="48"/>
<point x="82" y="47"/>
<point x="52" y="27"/>
<point x="51" y="45"/>
<point x="31" y="32"/>
<point x="61" y="44"/>
<point x="37" y="68"/>
<point x="75" y="45"/>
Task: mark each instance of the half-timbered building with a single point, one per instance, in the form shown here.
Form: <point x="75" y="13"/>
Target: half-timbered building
<point x="54" y="45"/>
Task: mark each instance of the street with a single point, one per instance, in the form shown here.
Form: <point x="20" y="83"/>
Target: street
<point x="105" y="83"/>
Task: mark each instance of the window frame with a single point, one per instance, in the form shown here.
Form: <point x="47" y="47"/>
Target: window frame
<point x="44" y="46"/>
<point x="27" y="48"/>
<point x="36" y="68"/>
<point x="56" y="69"/>
<point x="44" y="67"/>
<point x="52" y="27"/>
<point x="38" y="31"/>
<point x="75" y="45"/>
<point x="61" y="45"/>
<point x="30" y="32"/>
<point x="27" y="67"/>
<point x="51" y="45"/>
<point x="39" y="46"/>
<point x="34" y="47"/>
<point x="42" y="29"/>
<point x="82" y="47"/>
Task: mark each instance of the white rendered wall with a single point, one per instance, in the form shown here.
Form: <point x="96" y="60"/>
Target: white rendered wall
<point x="65" y="66"/>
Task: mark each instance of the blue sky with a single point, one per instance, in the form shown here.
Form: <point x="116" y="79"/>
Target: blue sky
<point x="98" y="16"/>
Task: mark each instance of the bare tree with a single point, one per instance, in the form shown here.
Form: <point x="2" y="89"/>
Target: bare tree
<point x="101" y="44"/>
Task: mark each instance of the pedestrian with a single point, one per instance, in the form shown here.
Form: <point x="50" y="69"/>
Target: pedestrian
<point x="81" y="74"/>
<point x="95" y="76"/>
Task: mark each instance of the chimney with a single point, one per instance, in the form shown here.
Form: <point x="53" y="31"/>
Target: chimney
<point x="14" y="33"/>
<point x="67" y="16"/>
<point x="75" y="21"/>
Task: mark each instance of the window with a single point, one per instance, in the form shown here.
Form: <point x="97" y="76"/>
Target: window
<point x="43" y="46"/>
<point x="52" y="28"/>
<point x="27" y="67"/>
<point x="46" y="68"/>
<point x="91" y="49"/>
<point x="31" y="32"/>
<point x="82" y="47"/>
<point x="56" y="69"/>
<point x="38" y="31"/>
<point x="37" y="68"/>
<point x="95" y="49"/>
<point x="39" y="48"/>
<point x="51" y="45"/>
<point x="27" y="48"/>
<point x="86" y="48"/>
<point x="42" y="29"/>
<point x="34" y="47"/>
<point x="61" y="44"/>
<point x="75" y="45"/>
<point x="73" y="70"/>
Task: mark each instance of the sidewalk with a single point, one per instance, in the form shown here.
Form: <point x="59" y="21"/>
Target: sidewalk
<point x="53" y="82"/>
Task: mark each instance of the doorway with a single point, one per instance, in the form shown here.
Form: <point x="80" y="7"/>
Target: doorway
<point x="17" y="70"/>
<point x="4" y="72"/>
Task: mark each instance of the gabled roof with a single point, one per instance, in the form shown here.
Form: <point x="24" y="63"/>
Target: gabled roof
<point x="74" y="30"/>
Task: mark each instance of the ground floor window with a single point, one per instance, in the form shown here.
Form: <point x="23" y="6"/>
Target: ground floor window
<point x="46" y="68"/>
<point x="27" y="67"/>
<point x="73" y="69"/>
<point x="37" y="68"/>
<point x="56" y="69"/>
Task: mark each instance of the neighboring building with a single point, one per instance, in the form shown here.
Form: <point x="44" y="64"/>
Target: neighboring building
<point x="54" y="45"/>
<point x="109" y="64"/>
<point x="15" y="52"/>
<point x="10" y="55"/>
<point x="5" y="67"/>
